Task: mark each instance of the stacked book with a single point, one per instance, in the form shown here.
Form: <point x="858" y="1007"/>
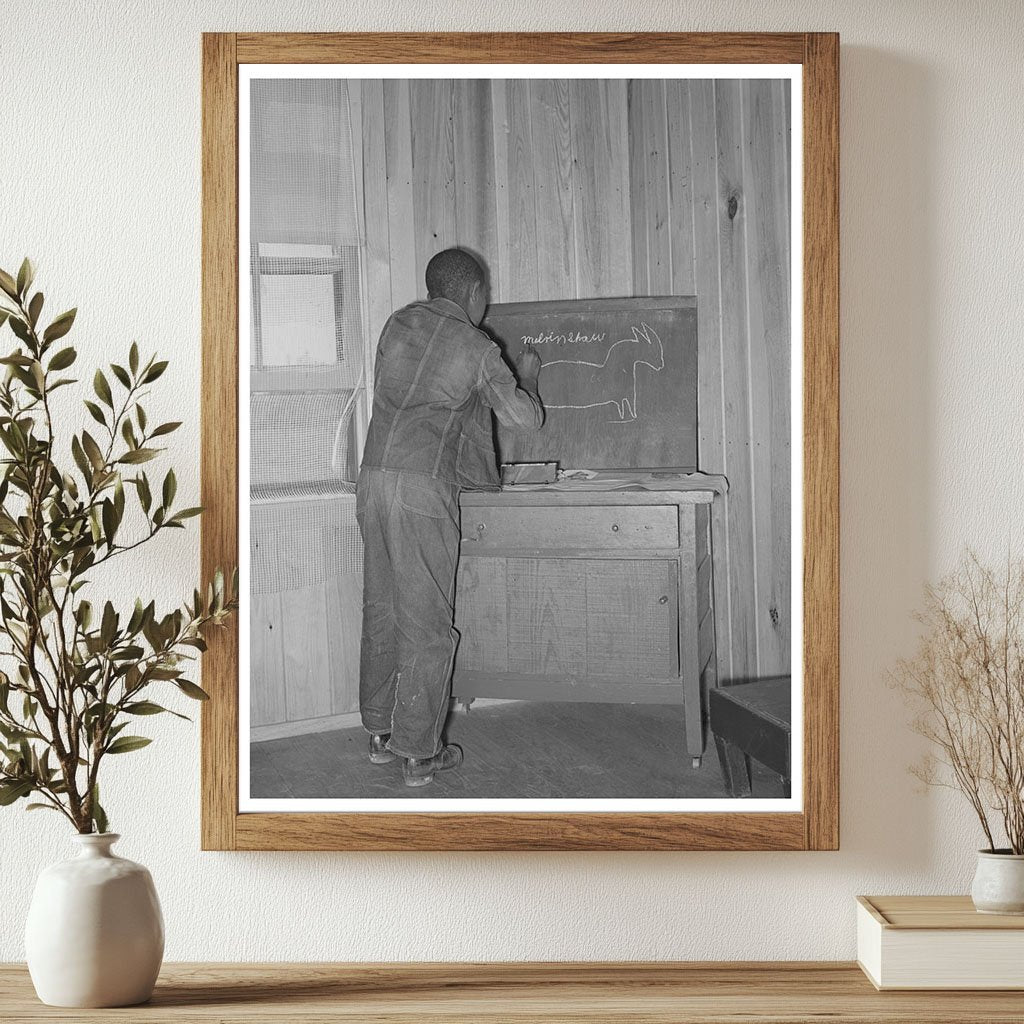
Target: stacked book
<point x="938" y="942"/>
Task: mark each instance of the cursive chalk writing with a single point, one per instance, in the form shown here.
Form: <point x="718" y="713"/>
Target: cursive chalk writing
<point x="550" y="338"/>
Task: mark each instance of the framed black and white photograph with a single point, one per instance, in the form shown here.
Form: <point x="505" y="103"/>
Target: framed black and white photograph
<point x="521" y="423"/>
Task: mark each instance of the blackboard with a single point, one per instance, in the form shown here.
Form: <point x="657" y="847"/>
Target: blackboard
<point x="618" y="381"/>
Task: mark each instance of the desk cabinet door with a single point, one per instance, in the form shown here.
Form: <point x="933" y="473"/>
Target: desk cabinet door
<point x="559" y="617"/>
<point x="632" y="625"/>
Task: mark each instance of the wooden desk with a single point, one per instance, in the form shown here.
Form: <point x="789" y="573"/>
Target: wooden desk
<point x="794" y="993"/>
<point x="594" y="595"/>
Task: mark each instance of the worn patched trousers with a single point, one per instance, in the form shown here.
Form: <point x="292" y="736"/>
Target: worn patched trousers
<point x="410" y="528"/>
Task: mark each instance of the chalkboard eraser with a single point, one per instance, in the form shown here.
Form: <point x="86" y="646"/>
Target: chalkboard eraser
<point x="528" y="472"/>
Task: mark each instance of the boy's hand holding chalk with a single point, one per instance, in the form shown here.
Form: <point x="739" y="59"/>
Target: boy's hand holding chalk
<point x="528" y="364"/>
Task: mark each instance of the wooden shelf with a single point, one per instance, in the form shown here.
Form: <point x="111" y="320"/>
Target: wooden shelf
<point x="659" y="993"/>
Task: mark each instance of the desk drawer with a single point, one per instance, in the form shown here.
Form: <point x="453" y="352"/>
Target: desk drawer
<point x="565" y="527"/>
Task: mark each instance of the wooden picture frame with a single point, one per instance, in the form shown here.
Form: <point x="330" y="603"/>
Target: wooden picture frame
<point x="816" y="826"/>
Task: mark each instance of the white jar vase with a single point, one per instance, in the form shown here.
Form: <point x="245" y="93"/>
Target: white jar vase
<point x="95" y="933"/>
<point x="999" y="882"/>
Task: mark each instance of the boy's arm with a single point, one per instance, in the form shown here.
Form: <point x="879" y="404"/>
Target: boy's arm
<point x="514" y="405"/>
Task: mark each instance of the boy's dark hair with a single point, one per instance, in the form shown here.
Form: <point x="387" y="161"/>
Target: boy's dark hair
<point x="451" y="274"/>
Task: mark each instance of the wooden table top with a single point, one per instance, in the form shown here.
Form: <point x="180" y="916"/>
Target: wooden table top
<point x="658" y="993"/>
<point x="770" y="698"/>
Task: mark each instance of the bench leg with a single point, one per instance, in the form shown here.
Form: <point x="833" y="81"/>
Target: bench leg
<point x="735" y="767"/>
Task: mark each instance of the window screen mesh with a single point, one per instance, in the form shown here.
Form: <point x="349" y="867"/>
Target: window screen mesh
<point x="306" y="351"/>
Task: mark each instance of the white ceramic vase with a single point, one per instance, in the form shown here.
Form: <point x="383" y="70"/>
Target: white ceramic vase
<point x="95" y="933"/>
<point x="999" y="883"/>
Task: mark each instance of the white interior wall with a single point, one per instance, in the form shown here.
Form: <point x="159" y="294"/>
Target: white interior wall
<point x="100" y="184"/>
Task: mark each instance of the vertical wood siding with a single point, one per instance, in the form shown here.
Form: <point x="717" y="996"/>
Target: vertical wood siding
<point x="589" y="189"/>
<point x="724" y="234"/>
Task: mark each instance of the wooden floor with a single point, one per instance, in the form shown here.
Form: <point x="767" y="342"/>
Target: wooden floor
<point x="525" y="750"/>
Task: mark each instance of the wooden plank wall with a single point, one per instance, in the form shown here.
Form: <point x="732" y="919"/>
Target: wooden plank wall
<point x="596" y="188"/>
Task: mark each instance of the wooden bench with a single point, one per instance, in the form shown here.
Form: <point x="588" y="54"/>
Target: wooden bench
<point x="751" y="720"/>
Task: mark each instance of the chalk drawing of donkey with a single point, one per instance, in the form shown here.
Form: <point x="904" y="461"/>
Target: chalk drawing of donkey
<point x="586" y="385"/>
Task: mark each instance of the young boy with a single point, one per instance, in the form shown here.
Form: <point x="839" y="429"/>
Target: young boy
<point x="437" y="379"/>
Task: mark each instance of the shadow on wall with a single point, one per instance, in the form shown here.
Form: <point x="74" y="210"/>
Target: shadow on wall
<point x="888" y="279"/>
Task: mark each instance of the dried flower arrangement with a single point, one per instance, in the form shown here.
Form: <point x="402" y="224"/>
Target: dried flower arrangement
<point x="967" y="682"/>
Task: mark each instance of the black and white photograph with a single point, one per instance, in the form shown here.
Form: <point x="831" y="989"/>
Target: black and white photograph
<point x="520" y="459"/>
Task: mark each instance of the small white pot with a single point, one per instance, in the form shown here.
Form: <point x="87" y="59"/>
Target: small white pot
<point x="999" y="882"/>
<point x="95" y="933"/>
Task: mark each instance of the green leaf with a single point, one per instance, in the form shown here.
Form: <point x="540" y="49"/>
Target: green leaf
<point x="70" y="486"/>
<point x="60" y="326"/>
<point x="128" y="433"/>
<point x="4" y="314"/>
<point x="185" y="513"/>
<point x="94" y="526"/>
<point x="140" y="415"/>
<point x="130" y="653"/>
<point x="154" y="371"/>
<point x="7" y="283"/>
<point x="80" y="458"/>
<point x="11" y="733"/>
<point x="121" y="374"/>
<point x="20" y="329"/>
<point x="164" y="673"/>
<point x="137" y="617"/>
<point x="170" y="488"/>
<point x="41" y="807"/>
<point x="165" y="428"/>
<point x="92" y="449"/>
<point x="119" y="499"/>
<point x="26" y="274"/>
<point x="154" y="631"/>
<point x="63" y="359"/>
<point x="144" y="707"/>
<point x="34" y="308"/>
<point x="10" y="442"/>
<point x="95" y="412"/>
<point x="133" y="358"/>
<point x="102" y="388"/>
<point x="108" y="627"/>
<point x="145" y="498"/>
<point x="191" y="690"/>
<point x="139" y="455"/>
<point x="11" y="791"/>
<point x="125" y="744"/>
<point x="109" y="522"/>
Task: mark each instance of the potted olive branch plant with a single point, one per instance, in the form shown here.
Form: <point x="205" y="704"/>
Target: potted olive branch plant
<point x="81" y="671"/>
<point x="966" y="681"/>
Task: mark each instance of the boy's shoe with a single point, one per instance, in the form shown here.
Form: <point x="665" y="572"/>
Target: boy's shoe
<point x="419" y="771"/>
<point x="379" y="753"/>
